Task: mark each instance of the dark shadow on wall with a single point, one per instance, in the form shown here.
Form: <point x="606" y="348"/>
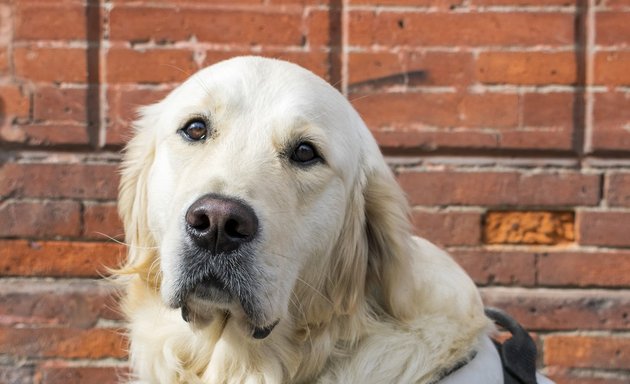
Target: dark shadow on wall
<point x="581" y="57"/>
<point x="92" y="96"/>
<point x="335" y="32"/>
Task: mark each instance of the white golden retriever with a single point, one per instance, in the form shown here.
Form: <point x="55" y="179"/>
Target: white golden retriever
<point x="270" y="243"/>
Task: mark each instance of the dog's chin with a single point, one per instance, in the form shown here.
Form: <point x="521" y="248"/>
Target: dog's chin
<point x="209" y="301"/>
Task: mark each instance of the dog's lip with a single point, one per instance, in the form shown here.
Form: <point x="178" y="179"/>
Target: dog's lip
<point x="262" y="332"/>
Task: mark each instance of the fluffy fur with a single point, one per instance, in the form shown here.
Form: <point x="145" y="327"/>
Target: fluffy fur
<point x="358" y="298"/>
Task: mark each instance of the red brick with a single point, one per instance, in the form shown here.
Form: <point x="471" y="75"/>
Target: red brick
<point x="93" y="181"/>
<point x="418" y="3"/>
<point x="43" y="21"/>
<point x="58" y="258"/>
<point x="4" y="61"/>
<point x="63" y="373"/>
<point x="587" y="351"/>
<point x="101" y="222"/>
<point x="317" y="62"/>
<point x="611" y="68"/>
<point x="71" y="343"/>
<point x="496" y="267"/>
<point x="438" y="68"/>
<point x="562" y="309"/>
<point x="611" y="115"/>
<point x="40" y="219"/>
<point x="448" y="228"/>
<point x="166" y="65"/>
<point x="60" y="104"/>
<point x="73" y="304"/>
<point x="50" y="64"/>
<point x="406" y="111"/>
<point x="208" y="25"/>
<point x="562" y="375"/>
<point x="603" y="228"/>
<point x="16" y="374"/>
<point x="123" y="103"/>
<point x="45" y="134"/>
<point x="524" y="2"/>
<point x="321" y="32"/>
<point x="526" y="68"/>
<point x="601" y="269"/>
<point x="548" y="110"/>
<point x="529" y="227"/>
<point x="14" y="102"/>
<point x="618" y="189"/>
<point x="460" y="29"/>
<point x="500" y="188"/>
<point x="612" y="28"/>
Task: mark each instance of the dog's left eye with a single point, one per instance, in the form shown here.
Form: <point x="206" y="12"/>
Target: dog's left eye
<point x="305" y="153"/>
<point x="195" y="130"/>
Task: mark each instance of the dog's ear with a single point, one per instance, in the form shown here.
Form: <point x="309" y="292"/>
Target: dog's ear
<point x="132" y="197"/>
<point x="389" y="243"/>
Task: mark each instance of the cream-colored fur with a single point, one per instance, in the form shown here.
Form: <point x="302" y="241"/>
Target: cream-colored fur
<point x="358" y="298"/>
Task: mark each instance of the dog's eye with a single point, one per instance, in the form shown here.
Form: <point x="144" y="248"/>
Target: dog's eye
<point x="304" y="153"/>
<point x="195" y="130"/>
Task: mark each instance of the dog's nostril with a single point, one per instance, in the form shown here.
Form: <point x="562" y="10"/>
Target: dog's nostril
<point x="198" y="221"/>
<point x="235" y="230"/>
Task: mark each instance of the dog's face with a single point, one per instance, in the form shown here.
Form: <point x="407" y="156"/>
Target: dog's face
<point x="254" y="162"/>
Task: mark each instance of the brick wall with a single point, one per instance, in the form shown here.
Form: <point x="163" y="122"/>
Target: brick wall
<point x="507" y="121"/>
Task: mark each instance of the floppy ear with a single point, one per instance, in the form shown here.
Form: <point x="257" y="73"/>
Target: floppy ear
<point x="373" y="253"/>
<point x="389" y="243"/>
<point x="132" y="199"/>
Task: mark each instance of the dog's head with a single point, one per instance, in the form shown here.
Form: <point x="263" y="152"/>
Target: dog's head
<point x="261" y="188"/>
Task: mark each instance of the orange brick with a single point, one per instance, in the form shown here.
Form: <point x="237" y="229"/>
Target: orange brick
<point x="611" y="68"/>
<point x="463" y="29"/>
<point x="46" y="134"/>
<point x="437" y="68"/>
<point x="548" y="109"/>
<point x="152" y="66"/>
<point x="71" y="343"/>
<point x="51" y="64"/>
<point x="606" y="352"/>
<point x="208" y="25"/>
<point x="612" y="27"/>
<point x="13" y="102"/>
<point x="526" y="68"/>
<point x="529" y="227"/>
<point x="42" y="21"/>
<point x="58" y="258"/>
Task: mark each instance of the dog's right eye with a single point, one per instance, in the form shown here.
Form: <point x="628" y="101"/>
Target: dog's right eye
<point x="195" y="130"/>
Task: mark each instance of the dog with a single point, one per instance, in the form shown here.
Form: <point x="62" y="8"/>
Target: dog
<point x="268" y="242"/>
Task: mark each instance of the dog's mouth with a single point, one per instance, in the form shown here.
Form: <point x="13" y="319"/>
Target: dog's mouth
<point x="211" y="298"/>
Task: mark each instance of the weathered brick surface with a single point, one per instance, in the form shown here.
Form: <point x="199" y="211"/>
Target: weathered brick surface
<point x="563" y="309"/>
<point x="58" y="258"/>
<point x="604" y="352"/>
<point x="536" y="227"/>
<point x="500" y="188"/>
<point x="508" y="128"/>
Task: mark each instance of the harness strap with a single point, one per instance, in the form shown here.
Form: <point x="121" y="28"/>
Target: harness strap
<point x="518" y="354"/>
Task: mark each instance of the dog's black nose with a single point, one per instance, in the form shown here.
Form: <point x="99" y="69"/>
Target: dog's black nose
<point x="220" y="224"/>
